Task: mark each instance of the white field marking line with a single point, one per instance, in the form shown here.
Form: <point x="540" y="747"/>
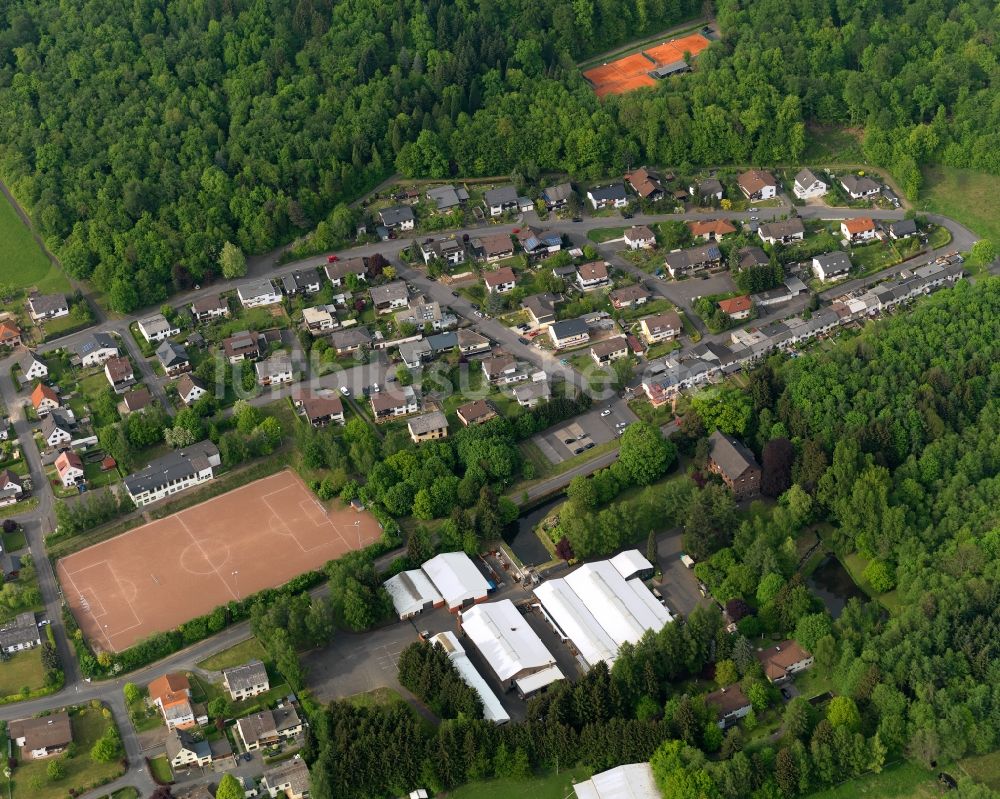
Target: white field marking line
<point x="95" y="599"/>
<point x="214" y="567"/>
<point x="281" y="521"/>
<point x="100" y="629"/>
<point x="131" y="607"/>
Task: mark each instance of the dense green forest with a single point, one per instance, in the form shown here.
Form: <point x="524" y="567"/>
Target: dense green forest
<point x="144" y="135"/>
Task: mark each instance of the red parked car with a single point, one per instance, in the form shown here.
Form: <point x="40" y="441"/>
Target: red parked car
<point x="332" y="259"/>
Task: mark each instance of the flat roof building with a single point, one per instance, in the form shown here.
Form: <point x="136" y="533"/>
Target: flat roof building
<point x="631" y="781"/>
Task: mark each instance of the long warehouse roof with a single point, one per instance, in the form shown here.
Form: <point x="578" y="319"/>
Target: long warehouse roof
<point x="456" y="578"/>
<point x="505" y="639"/>
<point x="568" y="612"/>
<point x="492" y="709"/>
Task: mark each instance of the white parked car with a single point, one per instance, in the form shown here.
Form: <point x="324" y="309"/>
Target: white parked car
<point x="345" y="391"/>
<point x="606" y="412"/>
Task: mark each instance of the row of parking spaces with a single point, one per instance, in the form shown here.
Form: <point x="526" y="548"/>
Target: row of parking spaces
<point x="598" y="426"/>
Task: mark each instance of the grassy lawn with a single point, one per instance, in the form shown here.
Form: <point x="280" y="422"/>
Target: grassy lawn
<point x="964" y="195"/>
<point x="21" y="507"/>
<point x="160" y="768"/>
<point x="984" y="769"/>
<point x="661" y="349"/>
<point x="553" y="786"/>
<point x="903" y="780"/>
<point x="832" y="145"/>
<point x="855" y="564"/>
<point x="812" y="683"/>
<point x="644" y="409"/>
<point x="23" y="670"/>
<point x="243" y="652"/>
<point x="873" y="258"/>
<point x="602" y="234"/>
<point x="939" y="236"/>
<point x="22" y="262"/>
<point x="30" y="778"/>
<point x="124" y="793"/>
<point x="380" y="697"/>
<point x="648" y="308"/>
<point x="545" y="469"/>
<point x="12" y="542"/>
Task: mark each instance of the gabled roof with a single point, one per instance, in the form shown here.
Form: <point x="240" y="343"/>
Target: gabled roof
<point x="257" y="288"/>
<point x="47" y="303"/>
<point x="632" y="781"/>
<point x="212" y="302"/>
<point x="494" y="244"/>
<point x="859" y="184"/>
<point x="717" y="227"/>
<point x="7" y="476"/>
<point x="505" y="639"/>
<point x="187" y="383"/>
<point x="609" y="346"/>
<point x="7" y="330"/>
<point x="95" y="342"/>
<point x="505" y="195"/>
<point x="594" y="270"/>
<point x="682" y="259"/>
<point x="138" y="399"/>
<point x="776" y="659"/>
<point x="806" y="178"/>
<point x="351" y="337"/>
<point x="727" y="700"/>
<point x="181" y="740"/>
<point x="498" y="364"/>
<point x="568" y="328"/>
<point x="833" y="263"/>
<point x="752" y="256"/>
<point x="860" y="224"/>
<point x="709" y="187"/>
<point x="782" y="228"/>
<point x="44" y="732"/>
<point x="245" y="677"/>
<point x="169" y="688"/>
<point x="447" y="196"/>
<point x="350" y="266"/>
<point x="390" y="399"/>
<point x="905" y="227"/>
<point x="630" y="293"/>
<point x="427" y="423"/>
<point x="500" y="276"/>
<point x="639" y="233"/>
<point x="475" y="410"/>
<point x="731" y="456"/>
<point x="557" y="193"/>
<point x="613" y="191"/>
<point x="42" y="392"/>
<point x="735" y="304"/>
<point x="643" y="182"/>
<point x="756" y="179"/>
<point x="542" y="306"/>
<point x="389" y="292"/>
<point x="27" y="359"/>
<point x="396" y="215"/>
<point x="322" y="406"/>
<point x="171" y="353"/>
<point x="456" y="578"/>
<point x="119" y="369"/>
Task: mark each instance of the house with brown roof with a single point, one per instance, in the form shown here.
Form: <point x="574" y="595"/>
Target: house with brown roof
<point x="735" y="464"/>
<point x="69" y="467"/>
<point x="752" y="256"/>
<point x="10" y="335"/>
<point x="338" y="271"/>
<point x="783" y="661"/>
<point x="493" y="247"/>
<point x="120" y="374"/>
<point x="756" y="184"/>
<point x="729" y="704"/>
<point x="351" y="339"/>
<point x="736" y="307"/>
<point x="41" y="737"/>
<point x="640" y="237"/>
<point x="241" y="346"/>
<point x="428" y="427"/>
<point x="137" y="400"/>
<point x="476" y="412"/>
<point x="44" y="399"/>
<point x="290" y="777"/>
<point x="541" y="309"/>
<point x="502" y="369"/>
<point x="859" y="229"/>
<point x="630" y="296"/>
<point x="190" y="389"/>
<point x="268" y="727"/>
<point x="609" y="349"/>
<point x="214" y="306"/>
<point x="321" y="409"/>
<point x="783" y="231"/>
<point x="661" y="327"/>
<point x="171" y="693"/>
<point x="394" y="402"/>
<point x="10" y="487"/>
<point x="645" y="184"/>
<point x="592" y="276"/>
<point x="710" y="229"/>
<point x="501" y="281"/>
<point x="693" y="259"/>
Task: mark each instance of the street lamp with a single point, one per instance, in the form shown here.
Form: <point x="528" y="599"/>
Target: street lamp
<point x="357" y="527"/>
<point x="236" y="574"/>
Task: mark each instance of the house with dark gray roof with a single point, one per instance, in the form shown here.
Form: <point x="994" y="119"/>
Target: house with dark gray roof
<point x="96" y="348"/>
<point x="389" y="296"/>
<point x="258" y="293"/>
<point x="47" y="306"/>
<point x="706" y="191"/>
<point x="498" y="201"/>
<point x="569" y="333"/>
<point x="447" y="197"/>
<point x="183" y="749"/>
<point x="173" y="358"/>
<point x="902" y="229"/>
<point x="807" y="185"/>
<point x="831" y="266"/>
<point x="612" y="195"/>
<point x="557" y="196"/>
<point x="783" y="231"/>
<point x="174" y="472"/>
<point x="32" y="367"/>
<point x="693" y="259"/>
<point x="247" y="680"/>
<point x="752" y="256"/>
<point x="400" y="216"/>
<point x="859" y="186"/>
<point x="734" y="463"/>
<point x="302" y="281"/>
<point x="22" y="633"/>
<point x="541" y="308"/>
<point x="351" y="339"/>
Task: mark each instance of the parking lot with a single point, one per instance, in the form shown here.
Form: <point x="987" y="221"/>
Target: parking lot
<point x="597" y="426"/>
<point x="679" y="586"/>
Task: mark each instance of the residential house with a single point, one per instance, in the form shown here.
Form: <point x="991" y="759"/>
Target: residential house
<point x="157" y="328"/>
<point x="136" y="400"/>
<point x="421" y="312"/>
<point x="42" y="307"/>
<point x="320" y="319"/>
<point x="569" y="333"/>
<point x="351" y="339"/>
<point x="183" y="749"/>
<point x="173" y="358"/>
<point x="214" y="306"/>
<point x="174" y="472"/>
<point x="729" y="704"/>
<point x="661" y="327"/>
<point x="783" y="661"/>
<point x="859" y="186"/>
<point x="557" y="196"/>
<point x="831" y="266"/>
<point x="95" y="348"/>
<point x="338" y="271"/>
<point x="707" y="191"/>
<point x="541" y="309"/>
<point x="502" y="369"/>
<point x="258" y="293"/>
<point x="10" y="486"/>
<point x="693" y="259"/>
<point x="245" y="681"/>
<point x="710" y="229"/>
<point x="288" y="777"/>
<point x="499" y="201"/>
<point x="301" y="281"/>
<point x="120" y="373"/>
<point x="752" y="256"/>
<point x="447" y="197"/>
<point x="69" y="467"/>
<point x="275" y="370"/>
<point x="451" y="251"/>
<point x="268" y="727"/>
<point x="756" y="184"/>
<point x="477" y="412"/>
<point x="413" y="353"/>
<point x="630" y="297"/>
<point x="611" y="196"/>
<point x="171" y="693"/>
<point x="493" y="247"/>
<point x="190" y="389"/>
<point x="501" y="281"/>
<point x="20" y="634"/>
<point x="43" y="736"/>
<point x="398" y="217"/>
<point x="735" y="464"/>
<point x="609" y="349"/>
<point x="243" y="346"/>
<point x="57" y="427"/>
<point x="44" y="399"/>
<point x="429" y="427"/>
<point x="394" y="402"/>
<point x="32" y="367"/>
<point x="539" y="243"/>
<point x="902" y="229"/>
<point x="528" y="395"/>
<point x="807" y="185"/>
<point x="592" y="276"/>
<point x="736" y="307"/>
<point x="390" y="296"/>
<point x="645" y="184"/>
<point x="10" y="335"/>
<point x="783" y="231"/>
<point x="858" y="230"/>
<point x="565" y="272"/>
<point x="322" y="408"/>
<point x="640" y="237"/>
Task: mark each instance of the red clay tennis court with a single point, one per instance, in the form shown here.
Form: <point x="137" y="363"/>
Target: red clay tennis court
<point x="165" y="573"/>
<point x="632" y="72"/>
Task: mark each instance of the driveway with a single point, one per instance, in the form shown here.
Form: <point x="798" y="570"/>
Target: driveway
<point x="591" y="427"/>
<point x="678" y="586"/>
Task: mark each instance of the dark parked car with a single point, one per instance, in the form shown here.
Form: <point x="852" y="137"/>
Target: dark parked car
<point x="523" y="340"/>
<point x="454" y="294"/>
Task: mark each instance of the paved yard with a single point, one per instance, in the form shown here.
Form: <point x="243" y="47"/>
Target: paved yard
<point x="679" y="586"/>
<point x="594" y="427"/>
